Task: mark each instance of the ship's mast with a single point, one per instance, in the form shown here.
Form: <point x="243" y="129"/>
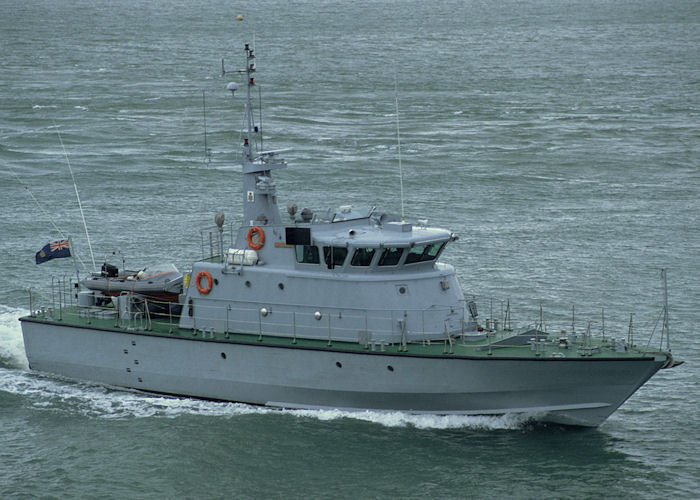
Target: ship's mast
<point x="259" y="192"/>
<point x="250" y="81"/>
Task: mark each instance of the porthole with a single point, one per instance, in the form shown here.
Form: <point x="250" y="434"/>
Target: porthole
<point x="338" y="364"/>
<point x="402" y="290"/>
<point x="216" y="281"/>
<point x="390" y="368"/>
<point x="247" y="283"/>
<point x="280" y="286"/>
<point x="223" y="355"/>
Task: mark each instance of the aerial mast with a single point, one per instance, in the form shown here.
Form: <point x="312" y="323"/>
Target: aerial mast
<point x="666" y="329"/>
<point x="259" y="191"/>
<point x="249" y="70"/>
<point x="250" y="82"/>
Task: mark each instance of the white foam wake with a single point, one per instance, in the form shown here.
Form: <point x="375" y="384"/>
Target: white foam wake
<point x="93" y="400"/>
<point x="11" y="343"/>
<point x="422" y="421"/>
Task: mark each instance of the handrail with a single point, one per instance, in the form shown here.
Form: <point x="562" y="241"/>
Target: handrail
<point x="211" y="231"/>
<point x="367" y="326"/>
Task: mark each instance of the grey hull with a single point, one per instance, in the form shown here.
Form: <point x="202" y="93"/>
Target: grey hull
<point x="571" y="391"/>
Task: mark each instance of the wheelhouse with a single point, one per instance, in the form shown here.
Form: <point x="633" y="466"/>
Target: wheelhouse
<point x="366" y="244"/>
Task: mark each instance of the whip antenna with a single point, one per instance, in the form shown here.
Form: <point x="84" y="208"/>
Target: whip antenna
<point x="207" y="149"/>
<point x="665" y="327"/>
<point x="46" y="214"/>
<point x="80" y="205"/>
<point x="398" y="139"/>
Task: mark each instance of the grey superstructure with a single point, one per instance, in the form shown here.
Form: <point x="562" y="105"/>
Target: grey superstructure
<point x="345" y="309"/>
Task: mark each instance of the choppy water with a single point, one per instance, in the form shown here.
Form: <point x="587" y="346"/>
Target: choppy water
<point x="560" y="140"/>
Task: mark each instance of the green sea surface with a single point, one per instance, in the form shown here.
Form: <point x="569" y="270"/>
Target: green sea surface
<point x="559" y="140"/>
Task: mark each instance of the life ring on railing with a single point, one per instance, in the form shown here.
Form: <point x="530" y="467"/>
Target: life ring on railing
<point x="203" y="289"/>
<point x="255" y="242"/>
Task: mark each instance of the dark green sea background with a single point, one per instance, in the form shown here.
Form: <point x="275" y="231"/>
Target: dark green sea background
<point x="559" y="139"/>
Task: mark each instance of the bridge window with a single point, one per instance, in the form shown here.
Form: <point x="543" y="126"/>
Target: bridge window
<point x="307" y="254"/>
<point x="423" y="253"/>
<point x="362" y="257"/>
<point x="334" y="256"/>
<point x="390" y="256"/>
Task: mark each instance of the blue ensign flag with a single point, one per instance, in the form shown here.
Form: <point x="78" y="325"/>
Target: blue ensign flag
<point x="54" y="250"/>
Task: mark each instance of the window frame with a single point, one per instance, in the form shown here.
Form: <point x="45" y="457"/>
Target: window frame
<point x="398" y="261"/>
<point x="422" y="259"/>
<point x="330" y="256"/>
<point x="313" y="247"/>
<point x="371" y="259"/>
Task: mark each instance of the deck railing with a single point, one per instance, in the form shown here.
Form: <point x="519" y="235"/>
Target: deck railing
<point x="215" y="242"/>
<point x="370" y="327"/>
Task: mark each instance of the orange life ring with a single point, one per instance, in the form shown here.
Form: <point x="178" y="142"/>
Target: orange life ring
<point x="261" y="238"/>
<point x="198" y="278"/>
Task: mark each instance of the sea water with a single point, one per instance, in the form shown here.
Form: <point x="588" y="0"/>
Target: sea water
<point x="558" y="140"/>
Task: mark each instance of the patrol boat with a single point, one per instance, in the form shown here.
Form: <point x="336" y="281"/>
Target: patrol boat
<point x="349" y="309"/>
